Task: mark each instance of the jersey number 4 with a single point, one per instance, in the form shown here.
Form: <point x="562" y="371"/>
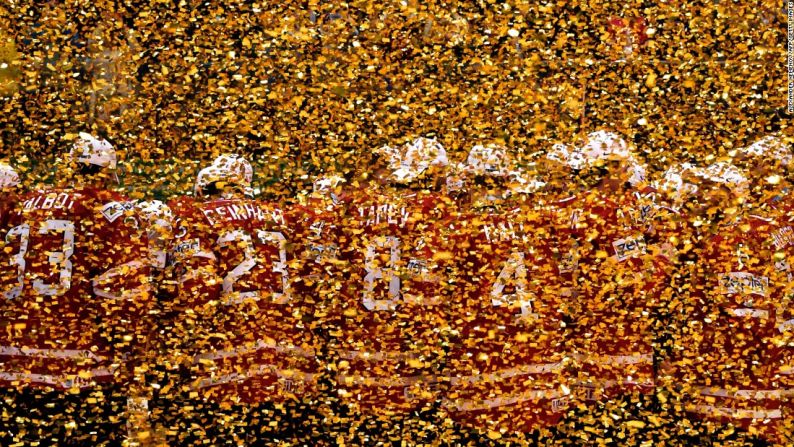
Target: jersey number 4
<point x="513" y="272"/>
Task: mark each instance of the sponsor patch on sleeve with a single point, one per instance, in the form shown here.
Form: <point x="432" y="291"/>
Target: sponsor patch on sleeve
<point x="629" y="247"/>
<point x="742" y="283"/>
<point x="190" y="246"/>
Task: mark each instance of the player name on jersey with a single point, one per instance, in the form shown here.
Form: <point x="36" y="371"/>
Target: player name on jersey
<point x="504" y="231"/>
<point x="743" y="283"/>
<point x="249" y="211"/>
<point x="783" y="237"/>
<point x="50" y="201"/>
<point x="384" y="214"/>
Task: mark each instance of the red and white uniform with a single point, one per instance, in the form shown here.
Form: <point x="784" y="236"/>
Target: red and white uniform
<point x="613" y="260"/>
<point x="729" y="361"/>
<point x="505" y="371"/>
<point x="240" y="268"/>
<point x="75" y="289"/>
<point x="390" y="310"/>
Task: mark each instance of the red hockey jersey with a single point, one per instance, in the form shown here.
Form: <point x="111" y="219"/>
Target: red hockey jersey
<point x="390" y="310"/>
<point x="614" y="256"/>
<point x="730" y="358"/>
<point x="784" y="238"/>
<point x="76" y="293"/>
<point x="241" y="314"/>
<point x="506" y="370"/>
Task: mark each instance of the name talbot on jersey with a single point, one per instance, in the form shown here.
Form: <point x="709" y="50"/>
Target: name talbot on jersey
<point x="62" y="201"/>
<point x="504" y="231"/>
<point x="249" y="211"/>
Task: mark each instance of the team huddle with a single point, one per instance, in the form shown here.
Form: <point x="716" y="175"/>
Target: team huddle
<point x="418" y="301"/>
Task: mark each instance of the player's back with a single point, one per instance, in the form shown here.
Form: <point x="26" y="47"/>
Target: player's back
<point x="238" y="263"/>
<point x="77" y="264"/>
<point x="392" y="301"/>
<point x="506" y="367"/>
<point x="614" y="270"/>
<point x="783" y="237"/>
<point x="731" y="357"/>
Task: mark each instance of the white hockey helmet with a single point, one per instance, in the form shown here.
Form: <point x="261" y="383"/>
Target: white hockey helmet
<point x="8" y="176"/>
<point x="228" y="168"/>
<point x="725" y="174"/>
<point x="675" y="182"/>
<point x="604" y="146"/>
<point x="491" y="160"/>
<point x="637" y="170"/>
<point x="390" y="155"/>
<point x="418" y="157"/>
<point x="564" y="156"/>
<point x="772" y="147"/>
<point x="90" y="150"/>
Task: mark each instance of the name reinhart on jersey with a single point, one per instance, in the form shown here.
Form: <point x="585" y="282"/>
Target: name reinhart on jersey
<point x="248" y="211"/>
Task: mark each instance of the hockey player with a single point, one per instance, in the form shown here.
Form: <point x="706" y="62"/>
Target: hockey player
<point x="319" y="218"/>
<point x="505" y="370"/>
<point x="727" y="360"/>
<point x="241" y="329"/>
<point x="616" y="254"/>
<point x="389" y="314"/>
<point x="74" y="304"/>
<point x="488" y="168"/>
<point x="556" y="168"/>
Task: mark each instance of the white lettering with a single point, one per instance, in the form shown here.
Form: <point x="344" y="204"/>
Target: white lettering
<point x="742" y="283"/>
<point x="246" y="211"/>
<point x="387" y="213"/>
<point x="783" y="237"/>
<point x="50" y="201"/>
